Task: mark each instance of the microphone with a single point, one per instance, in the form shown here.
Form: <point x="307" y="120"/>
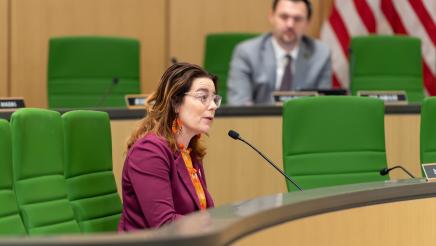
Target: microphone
<point x="386" y="170"/>
<point x="115" y="81"/>
<point x="174" y="60"/>
<point x="233" y="134"/>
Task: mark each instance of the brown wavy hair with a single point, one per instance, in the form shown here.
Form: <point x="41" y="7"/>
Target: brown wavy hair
<point x="161" y="105"/>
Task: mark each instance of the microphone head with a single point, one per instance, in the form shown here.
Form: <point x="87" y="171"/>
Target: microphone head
<point x="384" y="171"/>
<point x="234" y="134"/>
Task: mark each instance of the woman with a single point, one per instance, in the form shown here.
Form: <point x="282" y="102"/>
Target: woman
<point x="163" y="177"/>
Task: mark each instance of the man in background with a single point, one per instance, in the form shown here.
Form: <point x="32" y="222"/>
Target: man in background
<point x="282" y="60"/>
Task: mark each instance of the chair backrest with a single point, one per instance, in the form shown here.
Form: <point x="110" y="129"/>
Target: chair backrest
<point x="218" y="53"/>
<point x="10" y="220"/>
<point x="333" y="140"/>
<point x="38" y="171"/>
<point x="88" y="169"/>
<point x="92" y="71"/>
<point x="428" y="131"/>
<point x="387" y="63"/>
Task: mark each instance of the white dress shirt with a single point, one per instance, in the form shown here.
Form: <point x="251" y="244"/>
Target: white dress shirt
<point x="281" y="61"/>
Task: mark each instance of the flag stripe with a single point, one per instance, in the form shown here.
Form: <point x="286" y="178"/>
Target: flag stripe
<point x="362" y="17"/>
<point x="366" y="15"/>
<point x="351" y="18"/>
<point x="383" y="26"/>
<point x="339" y="60"/>
<point x="392" y="16"/>
<point x="429" y="80"/>
<point x="425" y="19"/>
<point x="430" y="5"/>
<point x="414" y="28"/>
<point x="340" y="30"/>
<point x="336" y="83"/>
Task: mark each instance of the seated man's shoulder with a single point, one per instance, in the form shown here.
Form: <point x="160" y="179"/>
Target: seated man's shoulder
<point x="253" y="43"/>
<point x="316" y="45"/>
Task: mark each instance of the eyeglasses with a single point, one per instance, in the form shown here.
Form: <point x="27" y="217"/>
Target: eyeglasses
<point x="297" y="19"/>
<point x="206" y="98"/>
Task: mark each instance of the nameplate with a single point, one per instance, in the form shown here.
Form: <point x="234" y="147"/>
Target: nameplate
<point x="11" y="103"/>
<point x="282" y="96"/>
<point x="136" y="101"/>
<point x="430" y="171"/>
<point x="389" y="97"/>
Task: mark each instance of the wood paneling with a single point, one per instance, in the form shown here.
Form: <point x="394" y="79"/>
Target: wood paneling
<point x="389" y="224"/>
<point x="34" y="22"/>
<point x="191" y="20"/>
<point x="121" y="130"/>
<point x="235" y="172"/>
<point x="4" y="65"/>
<point x="166" y="28"/>
<point x="402" y="144"/>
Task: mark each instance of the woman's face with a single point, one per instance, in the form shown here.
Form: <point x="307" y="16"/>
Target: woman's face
<point x="198" y="107"/>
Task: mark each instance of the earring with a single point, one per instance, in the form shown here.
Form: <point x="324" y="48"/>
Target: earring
<point x="176" y="127"/>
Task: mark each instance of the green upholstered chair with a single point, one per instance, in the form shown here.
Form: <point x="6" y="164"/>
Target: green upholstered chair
<point x="88" y="169"/>
<point x="91" y="71"/>
<point x="38" y="171"/>
<point x="218" y="53"/>
<point x="428" y="131"/>
<point x="333" y="140"/>
<point x="387" y="63"/>
<point x="10" y="220"/>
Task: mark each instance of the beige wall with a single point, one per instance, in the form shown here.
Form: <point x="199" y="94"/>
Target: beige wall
<point x="34" y="22"/>
<point x="4" y="19"/>
<point x="166" y="28"/>
<point x="187" y="31"/>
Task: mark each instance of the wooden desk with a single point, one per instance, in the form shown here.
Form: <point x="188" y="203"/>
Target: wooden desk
<point x="379" y="213"/>
<point x="235" y="172"/>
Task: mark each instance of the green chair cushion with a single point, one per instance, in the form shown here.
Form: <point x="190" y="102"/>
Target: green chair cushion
<point x="80" y="187"/>
<point x="333" y="140"/>
<point x="88" y="157"/>
<point x="428" y="131"/>
<point x="107" y="223"/>
<point x="387" y="63"/>
<point x="38" y="165"/>
<point x="81" y="71"/>
<point x="10" y="220"/>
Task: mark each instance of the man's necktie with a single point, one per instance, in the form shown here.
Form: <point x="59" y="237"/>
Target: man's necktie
<point x="287" y="75"/>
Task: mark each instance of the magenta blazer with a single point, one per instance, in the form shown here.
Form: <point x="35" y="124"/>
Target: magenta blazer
<point x="157" y="188"/>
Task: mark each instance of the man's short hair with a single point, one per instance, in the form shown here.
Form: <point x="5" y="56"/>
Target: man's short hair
<point x="306" y="2"/>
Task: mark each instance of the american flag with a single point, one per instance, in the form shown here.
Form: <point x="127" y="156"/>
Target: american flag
<point x="350" y="18"/>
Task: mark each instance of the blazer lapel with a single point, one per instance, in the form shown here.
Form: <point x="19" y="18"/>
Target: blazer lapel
<point x="186" y="179"/>
<point x="302" y="65"/>
<point x="269" y="60"/>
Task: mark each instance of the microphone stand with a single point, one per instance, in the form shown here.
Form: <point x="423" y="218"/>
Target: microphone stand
<point x="272" y="164"/>
<point x="108" y="92"/>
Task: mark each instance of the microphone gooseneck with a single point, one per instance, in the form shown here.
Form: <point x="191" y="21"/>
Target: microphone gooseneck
<point x="235" y="135"/>
<point x="115" y="81"/>
<point x="174" y="60"/>
<point x="385" y="171"/>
